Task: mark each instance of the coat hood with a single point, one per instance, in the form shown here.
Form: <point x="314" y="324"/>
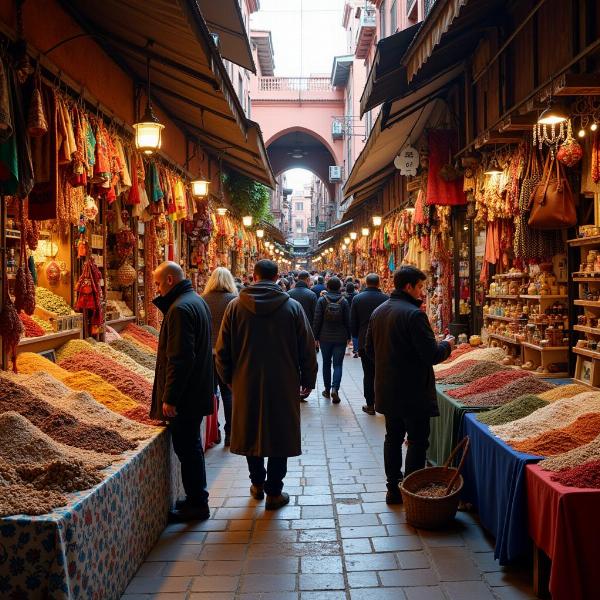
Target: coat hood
<point x="263" y="298"/>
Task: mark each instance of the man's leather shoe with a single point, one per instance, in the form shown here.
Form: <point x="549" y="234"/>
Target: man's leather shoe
<point x="189" y="513"/>
<point x="326" y="394"/>
<point x="368" y="409"/>
<point x="335" y="398"/>
<point x="275" y="502"/>
<point x="393" y="497"/>
<point x="257" y="492"/>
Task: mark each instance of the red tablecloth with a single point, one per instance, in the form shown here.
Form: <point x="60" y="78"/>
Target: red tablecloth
<point x="565" y="523"/>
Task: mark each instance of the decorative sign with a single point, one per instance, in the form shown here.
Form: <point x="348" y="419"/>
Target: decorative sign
<point x="407" y="160"/>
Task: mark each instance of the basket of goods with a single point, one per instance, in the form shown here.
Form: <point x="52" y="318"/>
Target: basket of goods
<point x="431" y="495"/>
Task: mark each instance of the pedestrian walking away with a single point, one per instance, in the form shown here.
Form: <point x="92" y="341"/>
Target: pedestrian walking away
<point x="404" y="349"/>
<point x="332" y="333"/>
<point x="303" y="294"/>
<point x="266" y="352"/>
<point x="219" y="291"/>
<point x="183" y="383"/>
<point x="361" y="310"/>
<point x="350" y="294"/>
<point x="319" y="286"/>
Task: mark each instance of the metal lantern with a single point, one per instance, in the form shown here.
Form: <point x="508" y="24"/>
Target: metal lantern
<point x="247" y="221"/>
<point x="353" y="235"/>
<point x="148" y="130"/>
<point x="221" y="211"/>
<point x="376" y="220"/>
<point x="200" y="188"/>
<point x="365" y="231"/>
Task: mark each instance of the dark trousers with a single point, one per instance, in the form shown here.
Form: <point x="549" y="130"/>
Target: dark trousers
<point x="368" y="379"/>
<point x="332" y="352"/>
<point x="272" y="477"/>
<point x="416" y="431"/>
<point x="187" y="443"/>
<point x="227" y="398"/>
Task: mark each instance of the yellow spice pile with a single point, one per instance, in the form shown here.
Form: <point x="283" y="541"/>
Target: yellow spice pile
<point x="564" y="391"/>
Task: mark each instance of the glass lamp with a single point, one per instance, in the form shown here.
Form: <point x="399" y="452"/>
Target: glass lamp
<point x="260" y="233"/>
<point x="365" y="231"/>
<point x="200" y="188"/>
<point x="376" y="220"/>
<point x="353" y="235"/>
<point x="247" y="221"/>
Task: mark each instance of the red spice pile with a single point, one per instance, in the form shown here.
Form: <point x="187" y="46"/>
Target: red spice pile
<point x="140" y="414"/>
<point x="488" y="383"/>
<point x="562" y="439"/>
<point x="32" y="329"/>
<point x="463" y="365"/>
<point x="58" y="424"/>
<point x="142" y="335"/>
<point x="126" y="381"/>
<point x="459" y="351"/>
<point x="586" y="475"/>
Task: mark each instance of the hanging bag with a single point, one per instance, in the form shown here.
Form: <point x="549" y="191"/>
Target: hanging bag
<point x="552" y="202"/>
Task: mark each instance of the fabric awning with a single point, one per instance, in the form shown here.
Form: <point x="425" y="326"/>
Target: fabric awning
<point x="387" y="78"/>
<point x="339" y="225"/>
<point x="226" y="20"/>
<point x="341" y="70"/>
<point x="327" y="239"/>
<point x="189" y="80"/>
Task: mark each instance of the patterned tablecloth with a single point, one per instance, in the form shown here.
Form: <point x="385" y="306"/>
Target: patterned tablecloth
<point x="93" y="547"/>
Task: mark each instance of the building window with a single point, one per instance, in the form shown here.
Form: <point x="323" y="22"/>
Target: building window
<point x="382" y="32"/>
<point x="299" y="225"/>
<point x="394" y="17"/>
<point x="299" y="205"/>
<point x="240" y="87"/>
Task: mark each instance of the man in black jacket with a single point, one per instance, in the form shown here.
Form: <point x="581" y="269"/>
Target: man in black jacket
<point x="402" y="344"/>
<point x="303" y="294"/>
<point x="361" y="310"/>
<point x="183" y="381"/>
<point x="319" y="286"/>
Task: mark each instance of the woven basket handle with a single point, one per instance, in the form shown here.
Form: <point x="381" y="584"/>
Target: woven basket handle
<point x="465" y="444"/>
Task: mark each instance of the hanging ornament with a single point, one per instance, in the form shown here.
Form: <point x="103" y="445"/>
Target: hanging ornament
<point x="53" y="273"/>
<point x="90" y="209"/>
<point x="126" y="274"/>
<point x="82" y="247"/>
<point x="570" y="152"/>
<point x="550" y="135"/>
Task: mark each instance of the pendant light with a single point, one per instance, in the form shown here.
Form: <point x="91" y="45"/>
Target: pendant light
<point x="553" y="114"/>
<point x="260" y="233"/>
<point x="347" y="240"/>
<point x="148" y="130"/>
<point x="353" y="235"/>
<point x="247" y="221"/>
<point x="221" y="211"/>
<point x="376" y="220"/>
<point x="493" y="168"/>
<point x="200" y="188"/>
<point x="365" y="231"/>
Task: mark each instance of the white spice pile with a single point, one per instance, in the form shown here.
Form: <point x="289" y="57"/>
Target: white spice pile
<point x="21" y="442"/>
<point x="81" y="405"/>
<point x="557" y="414"/>
<point x="123" y="359"/>
<point x="493" y="354"/>
<point x="573" y="458"/>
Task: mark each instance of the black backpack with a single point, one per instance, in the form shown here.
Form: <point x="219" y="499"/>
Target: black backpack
<point x="333" y="310"/>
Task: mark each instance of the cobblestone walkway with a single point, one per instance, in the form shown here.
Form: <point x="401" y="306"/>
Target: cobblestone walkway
<point x="337" y="540"/>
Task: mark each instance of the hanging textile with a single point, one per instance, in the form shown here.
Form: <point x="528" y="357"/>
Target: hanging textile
<point x="442" y="146"/>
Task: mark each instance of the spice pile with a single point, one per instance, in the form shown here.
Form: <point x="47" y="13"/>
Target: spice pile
<point x="151" y="330"/>
<point x="143" y="357"/>
<point x="103" y="392"/>
<point x="493" y="354"/>
<point x="124" y="360"/>
<point x="486" y="384"/>
<point x="475" y="371"/>
<point x="51" y="302"/>
<point x="562" y="439"/>
<point x="142" y="335"/>
<point x="29" y="362"/>
<point x="557" y="414"/>
<point x="507" y="393"/>
<point x="573" y="458"/>
<point x="32" y="329"/>
<point x="454" y="369"/>
<point x="111" y="335"/>
<point x="71" y="348"/>
<point x="42" y="323"/>
<point x="460" y="350"/>
<point x="586" y="475"/>
<point x="432" y="490"/>
<point x="564" y="391"/>
<point x="516" y="409"/>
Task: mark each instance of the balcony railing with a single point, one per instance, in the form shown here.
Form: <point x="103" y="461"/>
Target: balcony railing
<point x="294" y="84"/>
<point x="428" y="6"/>
<point x="365" y="32"/>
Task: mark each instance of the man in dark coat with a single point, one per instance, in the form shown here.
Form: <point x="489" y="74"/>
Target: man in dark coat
<point x="183" y="381"/>
<point x="303" y="294"/>
<point x="266" y="352"/>
<point x="361" y="310"/>
<point x="403" y="346"/>
<point x="318" y="287"/>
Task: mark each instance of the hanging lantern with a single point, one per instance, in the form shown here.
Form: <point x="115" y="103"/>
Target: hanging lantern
<point x="200" y="188"/>
<point x="221" y="211"/>
<point x="376" y="220"/>
<point x="126" y="274"/>
<point x="553" y="114"/>
<point x="344" y="247"/>
<point x="347" y="240"/>
<point x="247" y="221"/>
<point x="148" y="130"/>
<point x="493" y="168"/>
<point x="353" y="235"/>
<point x="365" y="231"/>
<point x="260" y="233"/>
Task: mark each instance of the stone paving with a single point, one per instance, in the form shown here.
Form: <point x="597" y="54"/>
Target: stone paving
<point x="337" y="539"/>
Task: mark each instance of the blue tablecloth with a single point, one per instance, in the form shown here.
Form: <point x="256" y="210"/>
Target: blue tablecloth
<point x="494" y="475"/>
<point x="91" y="548"/>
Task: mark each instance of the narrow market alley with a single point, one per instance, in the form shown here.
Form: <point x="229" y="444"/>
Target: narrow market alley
<point x="337" y="539"/>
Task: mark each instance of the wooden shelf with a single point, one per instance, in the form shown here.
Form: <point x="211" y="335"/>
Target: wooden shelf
<point x="586" y="279"/>
<point x="544" y="348"/>
<point x="498" y="318"/>
<point x="504" y="338"/>
<point x="592" y="240"/>
<point x="586" y="352"/>
<point x="504" y="297"/>
<point x="47" y="342"/>
<point x="512" y="275"/>
<point x="544" y="297"/>
<point x="121" y="320"/>
<point x="586" y="329"/>
<point x="548" y="375"/>
<point x="588" y="303"/>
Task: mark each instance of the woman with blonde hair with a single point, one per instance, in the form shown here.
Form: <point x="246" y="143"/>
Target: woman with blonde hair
<point x="219" y="291"/>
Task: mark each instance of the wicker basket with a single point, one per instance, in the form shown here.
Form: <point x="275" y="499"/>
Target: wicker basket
<point x="433" y="513"/>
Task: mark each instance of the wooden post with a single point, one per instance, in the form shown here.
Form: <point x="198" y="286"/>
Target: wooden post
<point x="541" y="573"/>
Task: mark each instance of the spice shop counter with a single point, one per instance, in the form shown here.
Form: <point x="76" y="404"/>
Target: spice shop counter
<point x="92" y="547"/>
<point x="565" y="525"/>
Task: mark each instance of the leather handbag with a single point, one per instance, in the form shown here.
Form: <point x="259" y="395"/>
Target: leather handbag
<point x="552" y="202"/>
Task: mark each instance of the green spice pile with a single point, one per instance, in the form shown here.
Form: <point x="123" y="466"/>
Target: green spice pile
<point x="475" y="371"/>
<point x="516" y="409"/>
<point x="507" y="393"/>
<point x="51" y="302"/>
<point x="146" y="359"/>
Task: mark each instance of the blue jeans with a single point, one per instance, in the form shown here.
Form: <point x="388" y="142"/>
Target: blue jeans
<point x="336" y="353"/>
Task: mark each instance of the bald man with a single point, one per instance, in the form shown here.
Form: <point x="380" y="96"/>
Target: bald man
<point x="183" y="382"/>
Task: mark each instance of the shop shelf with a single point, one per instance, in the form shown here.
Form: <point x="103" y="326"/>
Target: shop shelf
<point x="588" y="303"/>
<point x="504" y="297"/>
<point x="590" y="279"/>
<point x="545" y="348"/>
<point x="511" y="276"/>
<point x="560" y="375"/>
<point x="544" y="297"/>
<point x="504" y="338"/>
<point x="48" y="342"/>
<point x="498" y="318"/>
<point x="121" y="320"/>
<point x="586" y="352"/>
<point x="592" y="240"/>
<point x="585" y="329"/>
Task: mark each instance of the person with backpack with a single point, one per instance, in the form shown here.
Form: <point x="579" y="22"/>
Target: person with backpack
<point x="331" y="329"/>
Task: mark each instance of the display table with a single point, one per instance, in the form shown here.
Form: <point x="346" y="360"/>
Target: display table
<point x="445" y="429"/>
<point x="565" y="524"/>
<point x="494" y="475"/>
<point x="93" y="547"/>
